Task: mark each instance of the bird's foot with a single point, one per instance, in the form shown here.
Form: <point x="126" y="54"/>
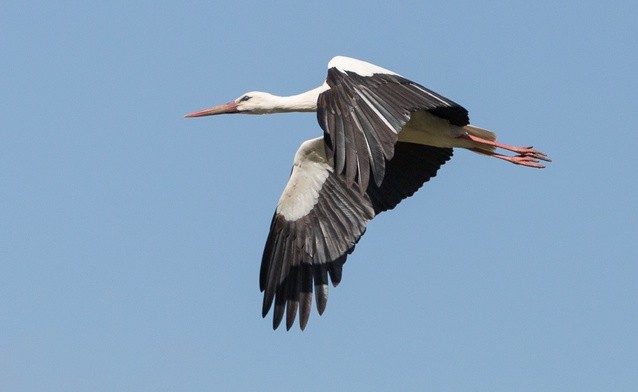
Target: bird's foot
<point x="527" y="156"/>
<point x="529" y="152"/>
<point x="523" y="160"/>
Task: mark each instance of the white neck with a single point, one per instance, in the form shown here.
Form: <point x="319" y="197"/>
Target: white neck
<point x="304" y="102"/>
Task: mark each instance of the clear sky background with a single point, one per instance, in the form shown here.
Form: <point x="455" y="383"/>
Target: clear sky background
<point x="130" y="237"/>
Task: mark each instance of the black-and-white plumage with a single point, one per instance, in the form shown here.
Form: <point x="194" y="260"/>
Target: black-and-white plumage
<point x="363" y="115"/>
<point x="384" y="136"/>
<point x="313" y="231"/>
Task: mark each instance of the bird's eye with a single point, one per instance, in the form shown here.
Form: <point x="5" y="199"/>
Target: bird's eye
<point x="244" y="98"/>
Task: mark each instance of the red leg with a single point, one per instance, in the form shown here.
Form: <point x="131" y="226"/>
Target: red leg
<point x="522" y="160"/>
<point x="526" y="154"/>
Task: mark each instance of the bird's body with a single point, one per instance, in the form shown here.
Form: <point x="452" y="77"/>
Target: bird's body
<point x="384" y="136"/>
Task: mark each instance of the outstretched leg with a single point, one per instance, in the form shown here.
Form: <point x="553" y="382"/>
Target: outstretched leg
<point x="527" y="156"/>
<point x="517" y="160"/>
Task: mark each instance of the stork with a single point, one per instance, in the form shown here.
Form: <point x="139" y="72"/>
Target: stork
<point x="384" y="136"/>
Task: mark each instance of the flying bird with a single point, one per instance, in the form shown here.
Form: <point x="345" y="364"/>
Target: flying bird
<point x="384" y="136"/>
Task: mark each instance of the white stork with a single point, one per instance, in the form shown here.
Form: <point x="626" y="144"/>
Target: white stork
<point x="376" y="124"/>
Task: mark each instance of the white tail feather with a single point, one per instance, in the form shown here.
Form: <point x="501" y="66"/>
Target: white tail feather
<point x="483" y="134"/>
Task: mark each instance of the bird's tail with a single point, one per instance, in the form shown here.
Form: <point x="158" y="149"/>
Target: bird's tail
<point x="482" y="134"/>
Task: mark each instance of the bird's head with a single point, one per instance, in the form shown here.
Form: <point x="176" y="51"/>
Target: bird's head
<point x="254" y="102"/>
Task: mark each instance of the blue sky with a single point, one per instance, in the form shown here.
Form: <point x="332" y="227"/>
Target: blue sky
<point x="130" y="237"/>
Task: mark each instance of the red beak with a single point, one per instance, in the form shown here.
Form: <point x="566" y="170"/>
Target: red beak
<point x="230" y="107"/>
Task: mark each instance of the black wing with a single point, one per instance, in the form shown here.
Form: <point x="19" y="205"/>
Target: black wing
<point x="317" y="224"/>
<point x="312" y="244"/>
<point x="362" y="115"/>
<point x="412" y="166"/>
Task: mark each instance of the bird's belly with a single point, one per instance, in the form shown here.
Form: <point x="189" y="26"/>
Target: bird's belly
<point x="428" y="129"/>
